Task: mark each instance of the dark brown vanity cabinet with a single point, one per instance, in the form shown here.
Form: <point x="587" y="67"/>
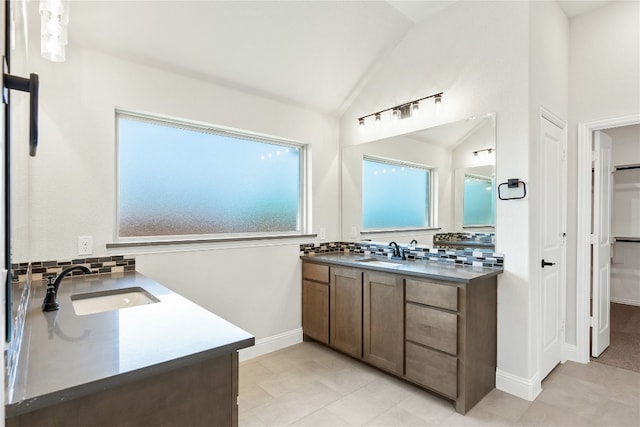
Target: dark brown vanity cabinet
<point x="450" y="339"/>
<point x="438" y="334"/>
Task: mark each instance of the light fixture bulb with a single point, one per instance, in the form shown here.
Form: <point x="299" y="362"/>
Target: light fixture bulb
<point x="475" y="153"/>
<point x="53" y="29"/>
<point x="361" y="121"/>
<point x="438" y="99"/>
<point x="415" y="106"/>
<point x="396" y="114"/>
<point x="490" y="150"/>
<point x="378" y="118"/>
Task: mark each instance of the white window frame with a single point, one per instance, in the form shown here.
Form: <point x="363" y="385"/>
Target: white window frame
<point x="158" y="119"/>
<point x="432" y="188"/>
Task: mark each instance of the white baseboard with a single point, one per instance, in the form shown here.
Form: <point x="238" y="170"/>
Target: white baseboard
<point x="523" y="388"/>
<point x="271" y="344"/>
<point x="625" y="301"/>
<point x="571" y="351"/>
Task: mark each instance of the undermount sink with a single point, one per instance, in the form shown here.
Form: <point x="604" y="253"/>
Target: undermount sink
<point x="116" y="299"/>
<point x="377" y="262"/>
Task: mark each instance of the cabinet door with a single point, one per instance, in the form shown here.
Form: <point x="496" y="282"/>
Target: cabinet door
<point x="383" y="319"/>
<point x="315" y="310"/>
<point x="346" y="310"/>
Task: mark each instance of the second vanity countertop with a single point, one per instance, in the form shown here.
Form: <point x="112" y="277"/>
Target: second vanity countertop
<point x="65" y="355"/>
<point x="420" y="268"/>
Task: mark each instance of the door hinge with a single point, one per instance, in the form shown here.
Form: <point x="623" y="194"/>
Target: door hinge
<point x="562" y="326"/>
<point x="593" y="238"/>
<point x="592" y="322"/>
<point x="594" y="156"/>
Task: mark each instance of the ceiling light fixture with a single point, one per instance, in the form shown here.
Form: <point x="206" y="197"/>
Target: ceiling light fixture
<point x="402" y="111"/>
<point x="54" y="19"/>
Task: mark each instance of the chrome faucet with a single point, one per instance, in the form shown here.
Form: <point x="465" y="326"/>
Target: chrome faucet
<point x="49" y="303"/>
<point x="396" y="250"/>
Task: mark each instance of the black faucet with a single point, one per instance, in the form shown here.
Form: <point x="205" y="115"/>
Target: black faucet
<point x="49" y="303"/>
<point x="396" y="250"/>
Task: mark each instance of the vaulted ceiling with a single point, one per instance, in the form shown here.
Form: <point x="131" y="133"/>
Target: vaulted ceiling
<point x="315" y="54"/>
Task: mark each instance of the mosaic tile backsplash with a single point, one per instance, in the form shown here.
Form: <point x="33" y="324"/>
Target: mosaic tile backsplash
<point x="43" y="269"/>
<point x="472" y="257"/>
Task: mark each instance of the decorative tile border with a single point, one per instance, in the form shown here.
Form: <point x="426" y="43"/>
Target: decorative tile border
<point x="99" y="265"/>
<point x="471" y="257"/>
<point x="472" y="237"/>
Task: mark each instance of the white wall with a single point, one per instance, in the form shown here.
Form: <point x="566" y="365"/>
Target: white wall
<point x="69" y="188"/>
<point x="626" y="145"/>
<point x="477" y="53"/>
<point x="548" y="77"/>
<point x="604" y="65"/>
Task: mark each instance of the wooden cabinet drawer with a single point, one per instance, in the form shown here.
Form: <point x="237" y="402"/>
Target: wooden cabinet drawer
<point x="431" y="327"/>
<point x="317" y="272"/>
<point x="434" y="294"/>
<point x="432" y="369"/>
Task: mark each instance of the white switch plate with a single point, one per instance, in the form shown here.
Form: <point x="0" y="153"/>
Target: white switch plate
<point x="85" y="245"/>
<point x="323" y="233"/>
<point x="354" y="231"/>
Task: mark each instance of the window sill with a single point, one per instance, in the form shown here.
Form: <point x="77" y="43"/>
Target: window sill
<point x="138" y="244"/>
<point x="399" y="230"/>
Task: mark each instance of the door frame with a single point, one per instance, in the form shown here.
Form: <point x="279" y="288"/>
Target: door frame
<point x="583" y="234"/>
<point x="554" y="119"/>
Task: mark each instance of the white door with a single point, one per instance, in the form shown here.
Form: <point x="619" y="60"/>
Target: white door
<point x="552" y="236"/>
<point x="602" y="191"/>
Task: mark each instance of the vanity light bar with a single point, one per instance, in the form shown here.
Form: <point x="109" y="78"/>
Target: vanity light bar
<point x="403" y="110"/>
<point x="488" y="150"/>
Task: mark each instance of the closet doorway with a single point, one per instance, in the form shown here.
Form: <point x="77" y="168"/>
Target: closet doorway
<point x="608" y="238"/>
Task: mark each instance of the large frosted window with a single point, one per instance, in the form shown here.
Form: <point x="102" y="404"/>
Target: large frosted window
<point x="176" y="179"/>
<point x="479" y="197"/>
<point x="395" y="195"/>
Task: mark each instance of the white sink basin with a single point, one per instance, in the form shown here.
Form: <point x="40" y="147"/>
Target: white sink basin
<point x="373" y="261"/>
<point x="116" y="299"/>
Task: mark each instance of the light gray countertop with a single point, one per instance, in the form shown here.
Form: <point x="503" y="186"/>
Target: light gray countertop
<point x="65" y="355"/>
<point x="420" y="268"/>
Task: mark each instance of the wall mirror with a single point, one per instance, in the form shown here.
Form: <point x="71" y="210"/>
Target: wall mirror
<point x="451" y="151"/>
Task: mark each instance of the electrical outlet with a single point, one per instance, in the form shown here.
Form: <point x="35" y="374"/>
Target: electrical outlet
<point x="85" y="245"/>
<point x="323" y="233"/>
<point x="354" y="232"/>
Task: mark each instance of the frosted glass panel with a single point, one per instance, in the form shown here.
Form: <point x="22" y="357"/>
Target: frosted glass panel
<point x="394" y="195"/>
<point x="178" y="181"/>
<point x="479" y="201"/>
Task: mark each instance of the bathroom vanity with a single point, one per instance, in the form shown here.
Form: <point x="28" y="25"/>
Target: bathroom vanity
<point x="167" y="362"/>
<point x="430" y="323"/>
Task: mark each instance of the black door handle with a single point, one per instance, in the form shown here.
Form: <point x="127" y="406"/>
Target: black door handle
<point x="543" y="263"/>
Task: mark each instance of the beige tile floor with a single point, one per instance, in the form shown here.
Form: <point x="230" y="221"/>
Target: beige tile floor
<point x="310" y="385"/>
